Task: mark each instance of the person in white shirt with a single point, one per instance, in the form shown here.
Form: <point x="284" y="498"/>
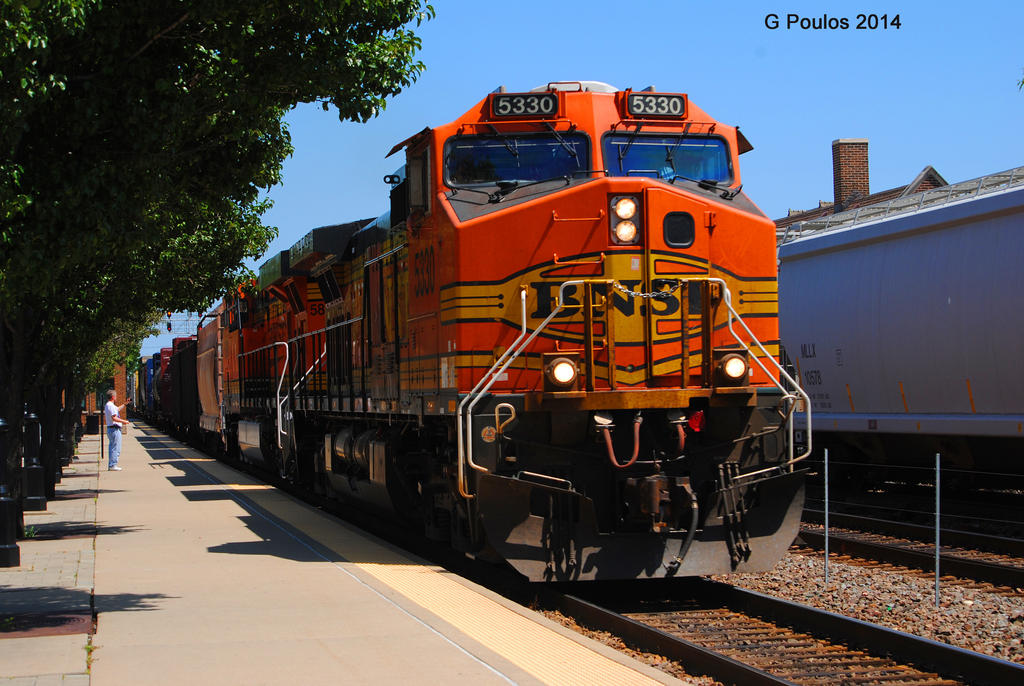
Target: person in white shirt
<point x="112" y="414"/>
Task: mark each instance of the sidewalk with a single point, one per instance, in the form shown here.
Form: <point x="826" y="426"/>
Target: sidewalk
<point x="46" y="602"/>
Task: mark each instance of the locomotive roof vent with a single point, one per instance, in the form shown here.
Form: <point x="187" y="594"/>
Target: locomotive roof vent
<point x="592" y="86"/>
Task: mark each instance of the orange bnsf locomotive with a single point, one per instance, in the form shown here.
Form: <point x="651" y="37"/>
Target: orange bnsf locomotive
<point x="556" y="349"/>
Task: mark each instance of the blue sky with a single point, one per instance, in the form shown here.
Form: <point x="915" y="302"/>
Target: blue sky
<point x="940" y="90"/>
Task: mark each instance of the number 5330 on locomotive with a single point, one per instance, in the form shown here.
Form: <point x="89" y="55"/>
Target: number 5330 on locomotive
<point x="557" y="348"/>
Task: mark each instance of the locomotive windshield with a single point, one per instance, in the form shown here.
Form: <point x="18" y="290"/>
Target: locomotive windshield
<point x="667" y="156"/>
<point x="514" y="158"/>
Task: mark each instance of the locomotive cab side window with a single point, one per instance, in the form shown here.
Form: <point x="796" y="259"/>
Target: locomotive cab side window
<point x="668" y="156"/>
<point x="418" y="168"/>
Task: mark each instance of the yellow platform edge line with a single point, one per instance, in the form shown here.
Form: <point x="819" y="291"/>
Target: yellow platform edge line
<point x="545" y="654"/>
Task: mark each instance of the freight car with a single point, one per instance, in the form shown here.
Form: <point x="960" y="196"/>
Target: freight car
<point x="902" y="320"/>
<point x="182" y="410"/>
<point x="147" y="407"/>
<point x="143" y="394"/>
<point x="161" y="381"/>
<point x="557" y="348"/>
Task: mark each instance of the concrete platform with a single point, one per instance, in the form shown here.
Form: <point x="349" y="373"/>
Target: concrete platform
<point x="203" y="575"/>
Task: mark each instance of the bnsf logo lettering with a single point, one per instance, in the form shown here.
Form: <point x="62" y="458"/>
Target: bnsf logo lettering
<point x="424" y="272"/>
<point x="547" y="291"/>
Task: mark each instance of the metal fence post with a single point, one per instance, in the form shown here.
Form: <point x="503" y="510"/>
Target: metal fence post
<point x="938" y="473"/>
<point x="826" y="518"/>
<point x="10" y="554"/>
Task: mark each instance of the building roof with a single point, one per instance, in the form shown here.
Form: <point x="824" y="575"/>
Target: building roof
<point x="902" y="207"/>
<point x="926" y="180"/>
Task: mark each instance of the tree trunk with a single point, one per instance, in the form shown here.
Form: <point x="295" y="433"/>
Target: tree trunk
<point x="70" y="413"/>
<point x="49" y="417"/>
<point x="13" y="377"/>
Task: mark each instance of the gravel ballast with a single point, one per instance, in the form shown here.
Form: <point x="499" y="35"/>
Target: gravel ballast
<point x="989" y="623"/>
<point x="969" y="618"/>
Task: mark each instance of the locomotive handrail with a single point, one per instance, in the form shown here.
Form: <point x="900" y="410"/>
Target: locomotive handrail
<point x="576" y="263"/>
<point x="389" y="253"/>
<point x="280" y="382"/>
<point x="317" y="362"/>
<point x="277" y="396"/>
<point x="465" y="444"/>
<point x="333" y="326"/>
<point x="546" y="477"/>
<point x="493" y="124"/>
<point x="787" y="395"/>
<point x="498" y="424"/>
<point x="599" y="217"/>
<point x="462" y="456"/>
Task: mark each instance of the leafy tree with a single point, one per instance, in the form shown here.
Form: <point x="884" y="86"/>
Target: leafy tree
<point x="135" y="140"/>
<point x="58" y="394"/>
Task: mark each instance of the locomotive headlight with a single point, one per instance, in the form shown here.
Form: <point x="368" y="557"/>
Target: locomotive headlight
<point x="625" y="231"/>
<point x="735" y="367"/>
<point x="561" y="372"/>
<point x="625" y="219"/>
<point x="625" y="208"/>
<point x="732" y="367"/>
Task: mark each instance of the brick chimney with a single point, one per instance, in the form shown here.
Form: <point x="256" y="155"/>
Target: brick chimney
<point x="849" y="170"/>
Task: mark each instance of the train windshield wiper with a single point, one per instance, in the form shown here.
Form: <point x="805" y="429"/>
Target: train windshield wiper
<point x="568" y="148"/>
<point x="459" y="187"/>
<point x="623" y="149"/>
<point x="670" y="154"/>
<point x="506" y="187"/>
<point x="709" y="185"/>
<point x="706" y="184"/>
<point x="511" y="144"/>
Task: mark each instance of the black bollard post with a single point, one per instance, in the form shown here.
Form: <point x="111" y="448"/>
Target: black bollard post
<point x="10" y="554"/>
<point x="34" y="498"/>
<point x="58" y="459"/>
<point x="65" y="449"/>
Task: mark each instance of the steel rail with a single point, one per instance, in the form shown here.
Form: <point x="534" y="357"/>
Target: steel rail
<point x="945" y="658"/>
<point x="950" y="537"/>
<point x="922" y="653"/>
<point x="695" y="658"/>
<point x="949" y="565"/>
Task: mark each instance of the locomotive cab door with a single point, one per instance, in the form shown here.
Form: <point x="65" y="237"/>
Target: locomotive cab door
<point x="677" y="247"/>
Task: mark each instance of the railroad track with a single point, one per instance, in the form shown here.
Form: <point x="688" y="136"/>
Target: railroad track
<point x="743" y="637"/>
<point x="985" y="518"/>
<point x="953" y="537"/>
<point x="963" y="555"/>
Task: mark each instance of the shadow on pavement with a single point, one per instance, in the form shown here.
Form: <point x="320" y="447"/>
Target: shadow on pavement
<point x="44" y="600"/>
<point x="274" y="542"/>
<point x="278" y="537"/>
<point x="52" y="531"/>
